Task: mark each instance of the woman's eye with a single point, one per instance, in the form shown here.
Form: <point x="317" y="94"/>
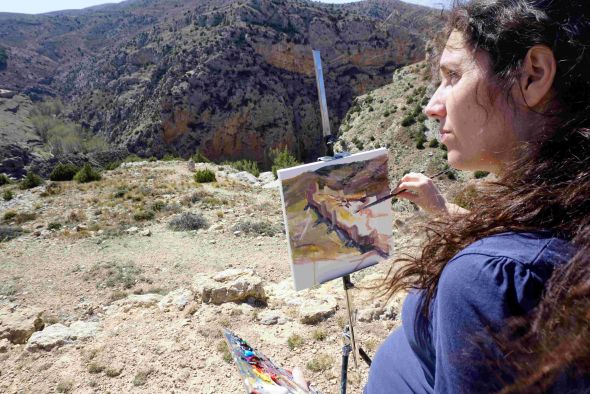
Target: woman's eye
<point x="453" y="76"/>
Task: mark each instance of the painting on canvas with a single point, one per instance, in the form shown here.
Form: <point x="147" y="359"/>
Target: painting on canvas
<point x="330" y="232"/>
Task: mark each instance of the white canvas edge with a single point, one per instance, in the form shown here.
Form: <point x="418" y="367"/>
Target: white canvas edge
<point x="291" y="172"/>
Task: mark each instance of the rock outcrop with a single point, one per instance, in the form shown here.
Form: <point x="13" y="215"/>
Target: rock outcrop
<point x="233" y="79"/>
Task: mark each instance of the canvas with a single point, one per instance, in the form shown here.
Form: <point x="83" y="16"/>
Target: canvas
<point x="329" y="232"/>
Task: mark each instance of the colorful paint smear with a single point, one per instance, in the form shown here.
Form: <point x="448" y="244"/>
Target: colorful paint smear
<point x="329" y="232"/>
<point x="260" y="375"/>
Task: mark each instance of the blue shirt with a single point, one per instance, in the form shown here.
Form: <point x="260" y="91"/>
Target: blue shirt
<point x="487" y="282"/>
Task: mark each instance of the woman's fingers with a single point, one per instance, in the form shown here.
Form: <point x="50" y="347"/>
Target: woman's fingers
<point x="299" y="378"/>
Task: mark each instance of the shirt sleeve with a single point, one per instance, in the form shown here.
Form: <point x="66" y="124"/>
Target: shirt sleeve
<point x="476" y="294"/>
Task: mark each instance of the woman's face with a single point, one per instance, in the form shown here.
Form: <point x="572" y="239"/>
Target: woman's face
<point x="476" y="123"/>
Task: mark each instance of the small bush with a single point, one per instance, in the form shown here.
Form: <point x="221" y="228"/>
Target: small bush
<point x="54" y="226"/>
<point x="112" y="165"/>
<point x="87" y="174"/>
<point x="245" y="165"/>
<point x="24" y="217"/>
<point x="142" y="215"/>
<point x="188" y="221"/>
<point x="30" y="181"/>
<point x="433" y="143"/>
<point x="294" y="341"/>
<point x="224" y="350"/>
<point x="200" y="158"/>
<point x="322" y="362"/>
<point x="113" y="372"/>
<point x="205" y="176"/>
<point x="170" y="157"/>
<point x="64" y="172"/>
<point x="256" y="227"/>
<point x="132" y="158"/>
<point x="282" y="159"/>
<point x="64" y="386"/>
<point x="467" y="197"/>
<point x="95" y="368"/>
<point x="10" y="232"/>
<point x="141" y="377"/>
<point x="319" y="335"/>
<point x="158" y="206"/>
<point x="480" y="174"/>
<point x="7" y="195"/>
<point x="9" y="215"/>
<point x="408" y="120"/>
<point x="4" y="179"/>
<point x="443" y="147"/>
<point x="452" y="175"/>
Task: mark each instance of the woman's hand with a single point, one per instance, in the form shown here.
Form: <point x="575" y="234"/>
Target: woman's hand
<point x="421" y="190"/>
<point x="299" y="378"/>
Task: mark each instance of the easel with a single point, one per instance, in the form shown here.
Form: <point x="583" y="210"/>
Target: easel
<point x="348" y="339"/>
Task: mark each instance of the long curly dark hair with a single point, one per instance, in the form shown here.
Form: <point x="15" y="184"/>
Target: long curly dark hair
<point x="547" y="189"/>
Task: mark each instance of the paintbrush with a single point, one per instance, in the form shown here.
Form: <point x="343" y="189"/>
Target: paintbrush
<point x="391" y="195"/>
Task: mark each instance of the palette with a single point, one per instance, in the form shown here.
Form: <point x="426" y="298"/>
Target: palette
<point x="260" y="375"/>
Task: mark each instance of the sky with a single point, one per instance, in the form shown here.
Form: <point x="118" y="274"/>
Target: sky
<point x="41" y="6"/>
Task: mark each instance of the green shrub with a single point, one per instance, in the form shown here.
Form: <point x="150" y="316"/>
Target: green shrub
<point x="244" y="165"/>
<point x="467" y="197"/>
<point x="112" y="165"/>
<point x="294" y="341"/>
<point x="198" y="157"/>
<point x="433" y="143"/>
<point x="282" y="159"/>
<point x="188" y="221"/>
<point x="480" y="174"/>
<point x="7" y="195"/>
<point x="443" y="147"/>
<point x="408" y="120"/>
<point x="421" y="141"/>
<point x="64" y="172"/>
<point x="204" y="176"/>
<point x="87" y="174"/>
<point x="452" y="175"/>
<point x="30" y="181"/>
<point x="54" y="226"/>
<point x="9" y="215"/>
<point x="170" y="157"/>
<point x="132" y="158"/>
<point x="224" y="350"/>
<point x="358" y="143"/>
<point x="4" y="179"/>
<point x="142" y="215"/>
<point x="158" y="206"/>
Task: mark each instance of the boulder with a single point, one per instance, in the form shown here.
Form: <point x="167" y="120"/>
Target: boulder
<point x="245" y="177"/>
<point x="269" y="318"/>
<point x="139" y="301"/>
<point x="18" y="325"/>
<point x="315" y="310"/>
<point x="178" y="299"/>
<point x="272" y="185"/>
<point x="266" y="177"/>
<point x="233" y="285"/>
<point x="58" y="335"/>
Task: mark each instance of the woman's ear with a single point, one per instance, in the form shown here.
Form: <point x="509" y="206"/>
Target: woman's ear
<point x="538" y="73"/>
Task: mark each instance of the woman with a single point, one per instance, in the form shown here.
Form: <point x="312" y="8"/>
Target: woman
<point x="500" y="296"/>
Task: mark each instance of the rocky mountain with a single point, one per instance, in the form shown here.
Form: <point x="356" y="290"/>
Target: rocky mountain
<point x="230" y="78"/>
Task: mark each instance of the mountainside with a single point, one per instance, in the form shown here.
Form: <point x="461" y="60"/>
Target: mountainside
<point x="232" y="79"/>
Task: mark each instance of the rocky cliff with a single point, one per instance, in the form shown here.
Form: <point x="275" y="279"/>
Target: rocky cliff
<point x="232" y="79"/>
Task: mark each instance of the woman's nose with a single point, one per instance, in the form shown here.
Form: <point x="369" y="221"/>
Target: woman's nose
<point x="436" y="107"/>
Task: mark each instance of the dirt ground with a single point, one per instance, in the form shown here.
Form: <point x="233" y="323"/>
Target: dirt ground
<point x="93" y="259"/>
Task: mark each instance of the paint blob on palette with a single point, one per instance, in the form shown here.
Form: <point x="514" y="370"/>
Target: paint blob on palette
<point x="260" y="375"/>
<point x="331" y="230"/>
